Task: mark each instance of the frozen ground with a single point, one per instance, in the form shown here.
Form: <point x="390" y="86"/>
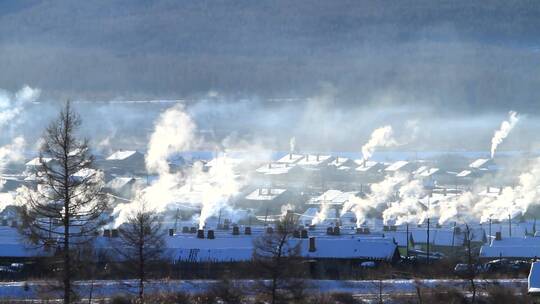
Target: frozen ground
<point x="100" y="289"/>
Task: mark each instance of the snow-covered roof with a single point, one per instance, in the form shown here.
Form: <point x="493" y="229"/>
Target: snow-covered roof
<point x="396" y="166"/>
<point x="479" y="163"/>
<point x="313" y="160"/>
<point x="512" y="247"/>
<point x="516" y="241"/>
<point x="36" y="161"/>
<point x="428" y="172"/>
<point x="525" y="252"/>
<point x="368" y="166"/>
<point x="120" y="182"/>
<point x="333" y="197"/>
<point x="265" y="194"/>
<point x="290" y="158"/>
<point x="275" y="168"/>
<point x="420" y="170"/>
<point x="339" y="161"/>
<point x="240" y="248"/>
<point x="121" y="155"/>
<point x="533" y="286"/>
<point x="464" y="173"/>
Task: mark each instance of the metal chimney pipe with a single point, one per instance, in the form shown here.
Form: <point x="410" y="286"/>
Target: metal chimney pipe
<point x="200" y="234"/>
<point x="312" y="247"/>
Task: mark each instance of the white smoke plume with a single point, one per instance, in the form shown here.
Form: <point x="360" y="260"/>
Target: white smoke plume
<point x="210" y="189"/>
<point x="322" y="214"/>
<point x="504" y="130"/>
<point x="512" y="201"/>
<point x="381" y="137"/>
<point x="407" y="207"/>
<point x="12" y="105"/>
<point x="173" y="133"/>
<point x="12" y="152"/>
<point x="292" y="144"/>
<point x="380" y="195"/>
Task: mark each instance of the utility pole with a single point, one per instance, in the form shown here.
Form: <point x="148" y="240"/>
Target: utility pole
<point x="453" y="236"/>
<point x="510" y="225"/>
<point x="407" y="240"/>
<point x="427" y="240"/>
<point x="490" y="228"/>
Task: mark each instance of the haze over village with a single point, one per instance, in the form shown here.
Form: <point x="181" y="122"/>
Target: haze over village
<point x="273" y="152"/>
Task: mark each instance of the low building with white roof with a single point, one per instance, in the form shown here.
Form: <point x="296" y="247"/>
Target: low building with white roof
<point x="511" y="248"/>
<point x="277" y="169"/>
<point x="314" y="160"/>
<point x="400" y="166"/>
<point x="124" y="162"/>
<point x="290" y="158"/>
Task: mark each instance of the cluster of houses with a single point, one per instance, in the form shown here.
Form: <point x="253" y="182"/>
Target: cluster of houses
<point x="312" y="182"/>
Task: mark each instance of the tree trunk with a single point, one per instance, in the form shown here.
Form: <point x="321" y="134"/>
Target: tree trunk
<point x="67" y="270"/>
<point x="274" y="279"/>
<point x="141" y="262"/>
<point x="67" y="258"/>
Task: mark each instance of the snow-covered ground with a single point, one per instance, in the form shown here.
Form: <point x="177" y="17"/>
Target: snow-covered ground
<point x="108" y="288"/>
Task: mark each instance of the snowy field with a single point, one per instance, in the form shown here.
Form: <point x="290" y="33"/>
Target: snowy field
<point x="106" y="288"/>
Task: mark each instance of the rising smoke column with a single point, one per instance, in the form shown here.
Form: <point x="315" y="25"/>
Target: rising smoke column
<point x="378" y="199"/>
<point x="406" y="208"/>
<point x="292" y="144"/>
<point x="174" y="132"/>
<point x="381" y="137"/>
<point x="504" y="130"/>
<point x="512" y="201"/>
<point x="11" y="109"/>
<point x="210" y="189"/>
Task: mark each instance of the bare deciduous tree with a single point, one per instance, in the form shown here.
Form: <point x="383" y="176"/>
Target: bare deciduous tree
<point x="279" y="259"/>
<point x="141" y="242"/>
<point x="65" y="206"/>
<point x="471" y="265"/>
